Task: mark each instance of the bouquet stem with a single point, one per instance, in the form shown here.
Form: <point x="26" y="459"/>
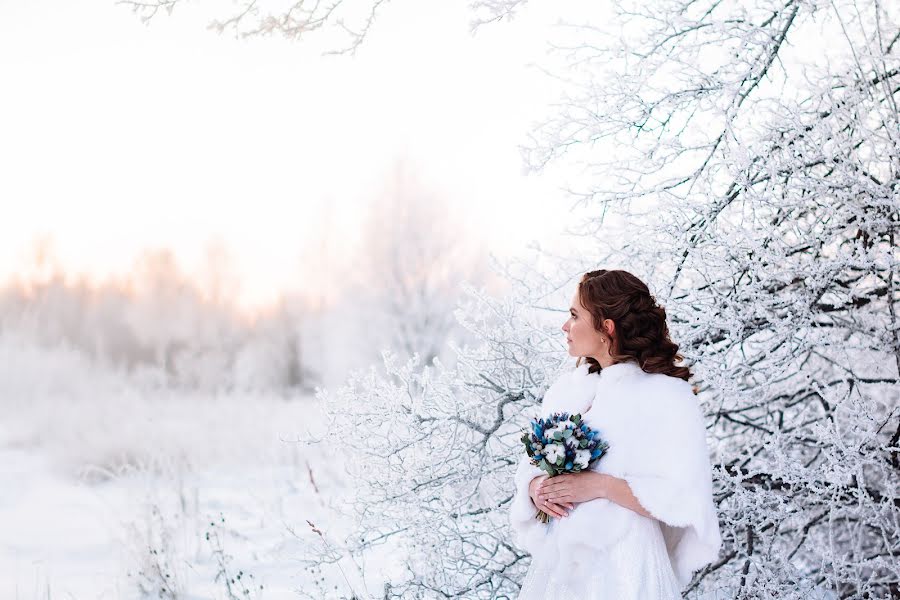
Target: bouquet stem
<point x="542" y="516"/>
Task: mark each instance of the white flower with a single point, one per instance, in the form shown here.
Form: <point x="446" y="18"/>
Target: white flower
<point x="582" y="458"/>
<point x="553" y="452"/>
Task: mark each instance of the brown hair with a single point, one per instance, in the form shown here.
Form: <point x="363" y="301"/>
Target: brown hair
<point x="641" y="332"/>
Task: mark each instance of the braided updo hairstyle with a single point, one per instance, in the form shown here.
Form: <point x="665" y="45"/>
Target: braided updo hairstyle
<point x="641" y="332"/>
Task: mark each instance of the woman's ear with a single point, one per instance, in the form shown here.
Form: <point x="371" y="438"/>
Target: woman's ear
<point x="610" y="326"/>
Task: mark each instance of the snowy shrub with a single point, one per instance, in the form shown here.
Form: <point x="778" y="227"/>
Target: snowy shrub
<point x="158" y="567"/>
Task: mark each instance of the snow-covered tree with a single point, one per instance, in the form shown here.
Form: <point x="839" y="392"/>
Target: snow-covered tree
<point x="271" y="357"/>
<point x="161" y="310"/>
<point x="413" y="254"/>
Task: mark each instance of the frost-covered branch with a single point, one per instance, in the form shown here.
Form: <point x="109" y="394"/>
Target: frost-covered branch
<point x="349" y="21"/>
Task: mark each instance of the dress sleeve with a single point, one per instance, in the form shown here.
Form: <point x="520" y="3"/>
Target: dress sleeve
<point x="669" y="473"/>
<point x="527" y="531"/>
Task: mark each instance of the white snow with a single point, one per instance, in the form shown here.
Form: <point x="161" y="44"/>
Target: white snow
<point x="65" y="536"/>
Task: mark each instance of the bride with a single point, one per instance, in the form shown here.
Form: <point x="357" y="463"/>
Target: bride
<point x="641" y="520"/>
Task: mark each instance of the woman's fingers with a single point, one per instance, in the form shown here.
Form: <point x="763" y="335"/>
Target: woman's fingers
<point x="549" y="508"/>
<point x="553" y="512"/>
<point x="554" y="497"/>
<point x="555" y="508"/>
<point x="552" y="508"/>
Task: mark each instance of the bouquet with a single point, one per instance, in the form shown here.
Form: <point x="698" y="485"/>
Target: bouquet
<point x="562" y="444"/>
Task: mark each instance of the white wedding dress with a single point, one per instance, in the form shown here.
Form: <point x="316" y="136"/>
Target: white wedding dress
<point x="604" y="551"/>
<point x="637" y="569"/>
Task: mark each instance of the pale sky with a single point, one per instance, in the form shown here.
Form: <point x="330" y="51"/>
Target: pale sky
<point x="116" y="136"/>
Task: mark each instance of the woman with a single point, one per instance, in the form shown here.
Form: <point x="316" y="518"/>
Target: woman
<point x="641" y="519"/>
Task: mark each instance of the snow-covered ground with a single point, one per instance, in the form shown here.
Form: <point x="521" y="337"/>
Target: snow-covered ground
<point x="181" y="492"/>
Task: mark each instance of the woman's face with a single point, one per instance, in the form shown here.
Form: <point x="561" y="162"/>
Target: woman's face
<point x="583" y="339"/>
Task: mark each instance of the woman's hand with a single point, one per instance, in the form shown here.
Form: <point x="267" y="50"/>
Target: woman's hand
<point x="572" y="487"/>
<point x="554" y="509"/>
